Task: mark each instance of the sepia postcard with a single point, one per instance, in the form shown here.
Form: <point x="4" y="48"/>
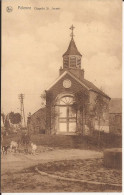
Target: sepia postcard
<point x="61" y="112"/>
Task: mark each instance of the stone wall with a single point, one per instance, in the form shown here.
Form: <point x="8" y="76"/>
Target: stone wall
<point x="115" y="123"/>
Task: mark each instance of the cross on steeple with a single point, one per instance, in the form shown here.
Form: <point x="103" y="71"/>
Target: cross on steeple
<point x="72" y="28"/>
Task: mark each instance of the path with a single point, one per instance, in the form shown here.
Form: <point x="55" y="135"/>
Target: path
<point x="16" y="162"/>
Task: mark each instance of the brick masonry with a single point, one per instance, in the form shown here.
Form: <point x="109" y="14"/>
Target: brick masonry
<point x="89" y="123"/>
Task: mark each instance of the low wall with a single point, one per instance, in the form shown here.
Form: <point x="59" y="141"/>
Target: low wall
<point x="73" y="141"/>
<point x="113" y="158"/>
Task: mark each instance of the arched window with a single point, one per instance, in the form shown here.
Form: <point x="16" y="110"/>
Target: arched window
<point x="66" y="115"/>
<point x="67" y="100"/>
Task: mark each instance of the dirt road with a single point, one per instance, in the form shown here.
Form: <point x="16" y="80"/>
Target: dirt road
<point x="16" y="162"/>
<point x="16" y="176"/>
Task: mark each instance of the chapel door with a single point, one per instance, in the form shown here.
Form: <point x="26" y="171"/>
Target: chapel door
<point x="63" y="119"/>
<point x="71" y="120"/>
<point x="67" y="116"/>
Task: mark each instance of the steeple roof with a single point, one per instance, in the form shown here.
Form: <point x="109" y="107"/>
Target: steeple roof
<point x="72" y="49"/>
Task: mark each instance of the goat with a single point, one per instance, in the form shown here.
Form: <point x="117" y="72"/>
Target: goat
<point x="34" y="148"/>
<point x="5" y="149"/>
<point x="13" y="145"/>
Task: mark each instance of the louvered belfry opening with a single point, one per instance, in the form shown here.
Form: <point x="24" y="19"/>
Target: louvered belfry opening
<point x="72" y="57"/>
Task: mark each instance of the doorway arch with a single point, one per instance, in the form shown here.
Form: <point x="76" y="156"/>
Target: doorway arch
<point x="67" y="116"/>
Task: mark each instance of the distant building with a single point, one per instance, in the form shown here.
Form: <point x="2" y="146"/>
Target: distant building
<point x="36" y="122"/>
<point x="115" y="115"/>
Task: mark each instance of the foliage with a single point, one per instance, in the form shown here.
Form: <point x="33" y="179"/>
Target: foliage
<point x="15" y="118"/>
<point x="46" y="96"/>
<point x="100" y="106"/>
<point x="43" y="99"/>
<point x="81" y="101"/>
<point x="29" y="118"/>
<point x="81" y="105"/>
<point x="25" y="139"/>
<point x="7" y="124"/>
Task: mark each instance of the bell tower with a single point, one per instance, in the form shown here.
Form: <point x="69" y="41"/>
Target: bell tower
<point x="72" y="59"/>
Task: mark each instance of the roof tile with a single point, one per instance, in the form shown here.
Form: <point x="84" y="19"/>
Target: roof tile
<point x="72" y="49"/>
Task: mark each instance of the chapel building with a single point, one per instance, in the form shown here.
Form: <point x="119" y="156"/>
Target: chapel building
<point x="71" y="100"/>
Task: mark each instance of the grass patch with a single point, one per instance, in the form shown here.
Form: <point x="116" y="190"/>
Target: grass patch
<point x="88" y="170"/>
<point x="71" y="141"/>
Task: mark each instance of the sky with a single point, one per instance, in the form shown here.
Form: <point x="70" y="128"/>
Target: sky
<point x="33" y="42"/>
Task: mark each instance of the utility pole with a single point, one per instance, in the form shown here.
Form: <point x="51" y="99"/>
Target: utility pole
<point x="21" y="97"/>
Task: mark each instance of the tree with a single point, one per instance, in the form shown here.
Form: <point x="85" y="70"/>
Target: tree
<point x="48" y="97"/>
<point x="100" y="107"/>
<point x="15" y="118"/>
<point x="7" y="124"/>
<point x="81" y="104"/>
<point x="50" y="110"/>
<point x="43" y="100"/>
<point x="43" y="106"/>
<point x="25" y="138"/>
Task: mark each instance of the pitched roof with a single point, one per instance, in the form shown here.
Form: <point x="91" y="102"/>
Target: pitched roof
<point x="85" y="83"/>
<point x="72" y="49"/>
<point x="115" y="105"/>
<point x="62" y="75"/>
<point x="94" y="88"/>
<point x="39" y="111"/>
